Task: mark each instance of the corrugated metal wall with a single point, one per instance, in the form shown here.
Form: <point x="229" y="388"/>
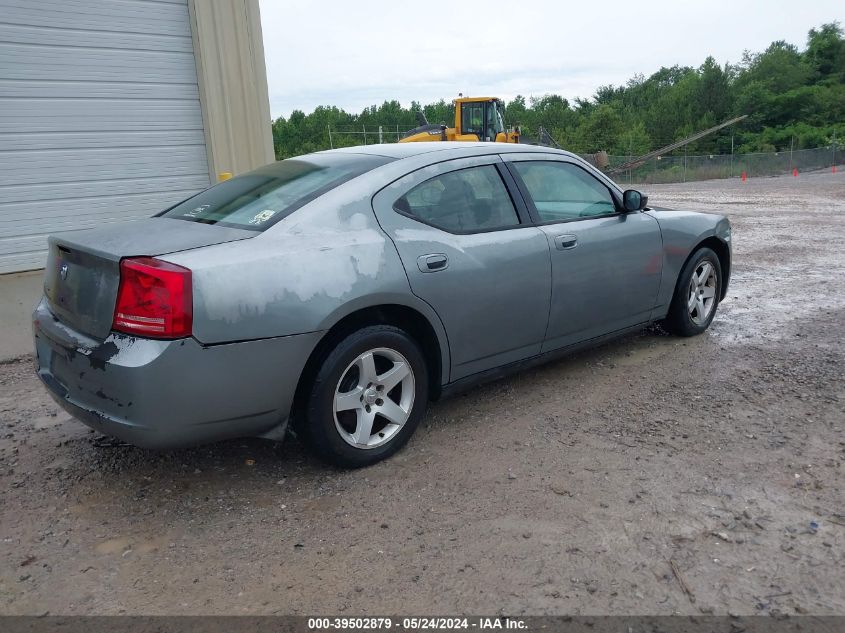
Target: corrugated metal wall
<point x="100" y="119"/>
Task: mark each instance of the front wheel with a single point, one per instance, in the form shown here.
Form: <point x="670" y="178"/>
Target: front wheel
<point x="368" y="397"/>
<point x="696" y="295"/>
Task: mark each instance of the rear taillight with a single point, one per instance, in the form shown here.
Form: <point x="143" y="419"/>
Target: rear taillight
<point x="154" y="299"/>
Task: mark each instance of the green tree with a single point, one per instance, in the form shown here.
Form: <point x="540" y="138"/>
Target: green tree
<point x="600" y="131"/>
<point x="826" y="51"/>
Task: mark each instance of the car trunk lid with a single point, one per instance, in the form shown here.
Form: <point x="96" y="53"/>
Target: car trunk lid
<point x="83" y="267"/>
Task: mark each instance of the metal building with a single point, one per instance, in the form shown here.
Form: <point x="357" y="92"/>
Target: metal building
<point x="111" y="110"/>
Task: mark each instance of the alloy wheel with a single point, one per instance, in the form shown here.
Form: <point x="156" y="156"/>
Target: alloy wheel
<point x="702" y="293"/>
<point x="373" y="398"/>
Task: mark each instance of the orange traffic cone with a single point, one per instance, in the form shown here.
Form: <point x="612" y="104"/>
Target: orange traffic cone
<point x="794" y="171"/>
<point x="833" y="169"/>
<point x="744" y="176"/>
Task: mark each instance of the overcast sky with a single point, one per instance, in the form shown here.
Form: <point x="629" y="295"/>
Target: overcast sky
<point x="358" y="53"/>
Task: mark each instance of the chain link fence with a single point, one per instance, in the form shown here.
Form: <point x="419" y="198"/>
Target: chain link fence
<point x="675" y="167"/>
<point x="683" y="168"/>
<point x="349" y="135"/>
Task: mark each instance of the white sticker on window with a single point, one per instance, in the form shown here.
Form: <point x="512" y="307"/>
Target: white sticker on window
<point x="195" y="212"/>
<point x="262" y="217"/>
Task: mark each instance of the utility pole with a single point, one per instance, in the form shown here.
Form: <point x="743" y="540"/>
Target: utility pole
<point x="791" y="147"/>
<point x="364" y="127"/>
<point x="380" y="137"/>
<point x="834" y="149"/>
<point x="331" y="146"/>
<point x="731" y="174"/>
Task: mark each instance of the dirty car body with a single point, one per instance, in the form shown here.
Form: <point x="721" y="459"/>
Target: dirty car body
<point x="274" y="276"/>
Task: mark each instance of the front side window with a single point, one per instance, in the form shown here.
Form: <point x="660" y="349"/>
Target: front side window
<point x="563" y="191"/>
<point x="464" y="201"/>
<point x="472" y="119"/>
<point x="264" y="196"/>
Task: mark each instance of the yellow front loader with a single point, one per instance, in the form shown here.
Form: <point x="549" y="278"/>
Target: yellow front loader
<point x="476" y="119"/>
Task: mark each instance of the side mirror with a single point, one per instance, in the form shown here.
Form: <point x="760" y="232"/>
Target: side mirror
<point x="633" y="200"/>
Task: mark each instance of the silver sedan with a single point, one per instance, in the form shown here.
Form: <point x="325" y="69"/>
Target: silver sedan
<point x="337" y="293"/>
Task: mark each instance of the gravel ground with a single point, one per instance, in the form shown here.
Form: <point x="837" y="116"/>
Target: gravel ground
<point x="603" y="483"/>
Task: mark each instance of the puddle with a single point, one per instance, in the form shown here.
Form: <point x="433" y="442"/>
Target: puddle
<point x="786" y="272"/>
<point x="113" y="546"/>
<point x="124" y="544"/>
<point x="770" y="304"/>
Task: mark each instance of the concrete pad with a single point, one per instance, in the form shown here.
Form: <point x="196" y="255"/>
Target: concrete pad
<point x="19" y="292"/>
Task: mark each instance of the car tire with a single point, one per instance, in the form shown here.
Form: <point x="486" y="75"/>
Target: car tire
<point x="696" y="296"/>
<point x="367" y="398"/>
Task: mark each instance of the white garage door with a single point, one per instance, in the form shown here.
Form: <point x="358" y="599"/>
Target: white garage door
<point x="100" y="117"/>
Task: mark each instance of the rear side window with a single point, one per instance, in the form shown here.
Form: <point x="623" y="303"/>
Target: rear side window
<point x="262" y="197"/>
<point x="563" y="191"/>
<point x="465" y="201"/>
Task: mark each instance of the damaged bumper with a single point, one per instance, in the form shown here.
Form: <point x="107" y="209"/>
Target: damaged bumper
<point x="167" y="394"/>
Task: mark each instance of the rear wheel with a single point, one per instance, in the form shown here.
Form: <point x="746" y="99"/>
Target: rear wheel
<point x="696" y="295"/>
<point x="368" y="397"/>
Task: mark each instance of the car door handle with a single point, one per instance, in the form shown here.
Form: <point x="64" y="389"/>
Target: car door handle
<point x="565" y="242"/>
<point x="432" y="263"/>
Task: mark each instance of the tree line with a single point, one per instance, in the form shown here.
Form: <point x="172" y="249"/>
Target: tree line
<point x="794" y="98"/>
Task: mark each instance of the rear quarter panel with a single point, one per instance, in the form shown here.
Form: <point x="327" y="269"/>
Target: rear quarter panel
<point x="304" y="274"/>
<point x="682" y="232"/>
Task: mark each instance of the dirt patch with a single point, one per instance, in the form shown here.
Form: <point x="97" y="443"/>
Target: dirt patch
<point x="654" y="475"/>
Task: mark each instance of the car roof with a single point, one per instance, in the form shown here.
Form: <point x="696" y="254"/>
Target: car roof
<point x="398" y="151"/>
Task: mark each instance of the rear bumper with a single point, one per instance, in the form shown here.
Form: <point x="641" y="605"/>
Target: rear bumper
<point x="167" y="394"/>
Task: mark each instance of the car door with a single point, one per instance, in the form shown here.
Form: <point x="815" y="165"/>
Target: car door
<point x="469" y="251"/>
<point x="606" y="264"/>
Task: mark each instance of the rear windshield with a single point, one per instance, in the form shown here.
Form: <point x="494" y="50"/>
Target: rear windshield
<point x="260" y="198"/>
